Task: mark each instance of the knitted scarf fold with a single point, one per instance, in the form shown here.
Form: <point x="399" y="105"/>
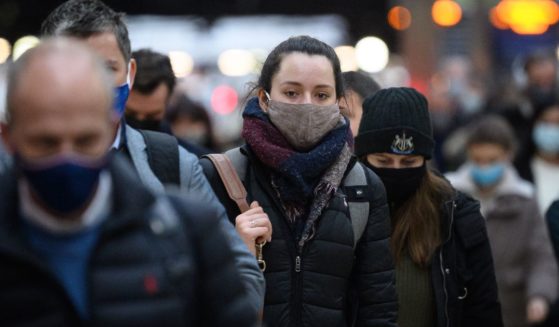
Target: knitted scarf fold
<point x="300" y="178"/>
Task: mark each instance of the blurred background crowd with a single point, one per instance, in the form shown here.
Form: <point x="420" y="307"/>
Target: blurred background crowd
<point x="470" y="57"/>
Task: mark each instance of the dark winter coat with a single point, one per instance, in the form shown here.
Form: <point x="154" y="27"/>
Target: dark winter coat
<point x="194" y="280"/>
<point x="328" y="283"/>
<point x="462" y="270"/>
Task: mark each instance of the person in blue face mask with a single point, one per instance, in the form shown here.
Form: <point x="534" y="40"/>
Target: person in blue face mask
<point x="83" y="241"/>
<point x="524" y="264"/>
<point x="156" y="157"/>
<point x="538" y="161"/>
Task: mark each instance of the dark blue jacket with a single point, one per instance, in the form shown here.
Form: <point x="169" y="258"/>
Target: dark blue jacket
<point x="193" y="280"/>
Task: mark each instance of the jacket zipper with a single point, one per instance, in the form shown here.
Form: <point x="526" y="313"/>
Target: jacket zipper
<point x="442" y="265"/>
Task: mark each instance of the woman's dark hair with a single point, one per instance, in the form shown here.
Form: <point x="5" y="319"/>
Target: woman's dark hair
<point x="304" y="44"/>
<point x="416" y="225"/>
<point x="181" y="106"/>
<point x="492" y="129"/>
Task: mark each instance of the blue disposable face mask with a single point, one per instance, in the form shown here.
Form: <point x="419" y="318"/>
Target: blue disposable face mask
<point x="488" y="175"/>
<point x="63" y="184"/>
<point x="546" y="137"/>
<point x="121" y="95"/>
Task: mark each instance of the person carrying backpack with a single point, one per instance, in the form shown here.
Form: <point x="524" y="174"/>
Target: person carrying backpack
<point x="307" y="195"/>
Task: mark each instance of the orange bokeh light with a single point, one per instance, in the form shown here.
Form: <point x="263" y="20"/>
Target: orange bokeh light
<point x="446" y="13"/>
<point x="399" y="18"/>
<point x="527" y="16"/>
<point x="496" y="21"/>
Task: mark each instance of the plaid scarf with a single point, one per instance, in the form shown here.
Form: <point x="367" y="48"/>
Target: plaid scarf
<point x="299" y="177"/>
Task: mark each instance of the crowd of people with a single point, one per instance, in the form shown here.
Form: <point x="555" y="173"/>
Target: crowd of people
<point x="337" y="210"/>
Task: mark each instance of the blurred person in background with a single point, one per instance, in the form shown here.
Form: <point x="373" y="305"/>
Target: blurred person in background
<point x="357" y="87"/>
<point x="444" y="266"/>
<point x="297" y="161"/>
<point x="538" y="160"/>
<point x="524" y="263"/>
<point x="190" y="122"/>
<point x="156" y="158"/>
<point x="150" y="95"/>
<point x="83" y="241"/>
<point x="534" y="82"/>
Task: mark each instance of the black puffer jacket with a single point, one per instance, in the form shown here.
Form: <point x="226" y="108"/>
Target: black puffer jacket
<point x="328" y="283"/>
<point x="194" y="281"/>
<point x="462" y="272"/>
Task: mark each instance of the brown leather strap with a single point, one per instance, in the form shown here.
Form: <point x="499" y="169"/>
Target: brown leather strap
<point x="235" y="188"/>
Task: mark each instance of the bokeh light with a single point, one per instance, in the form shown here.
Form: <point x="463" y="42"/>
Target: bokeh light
<point x="372" y="54"/>
<point x="237" y="62"/>
<point x="181" y="62"/>
<point x="348" y="59"/>
<point x="527" y="17"/>
<point x="5" y="50"/>
<point x="446" y="13"/>
<point x="23" y="44"/>
<point x="399" y="18"/>
<point x="224" y="99"/>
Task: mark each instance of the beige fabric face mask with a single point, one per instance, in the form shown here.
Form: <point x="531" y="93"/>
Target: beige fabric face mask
<point x="303" y="125"/>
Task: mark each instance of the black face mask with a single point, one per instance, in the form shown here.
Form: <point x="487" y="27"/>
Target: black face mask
<point x="401" y="183"/>
<point x="147" y="124"/>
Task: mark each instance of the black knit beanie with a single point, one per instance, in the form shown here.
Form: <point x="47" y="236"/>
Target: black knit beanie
<point x="395" y="120"/>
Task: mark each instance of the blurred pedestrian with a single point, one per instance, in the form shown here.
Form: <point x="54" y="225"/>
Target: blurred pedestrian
<point x="150" y="95"/>
<point x="539" y="159"/>
<point x="298" y="167"/>
<point x="357" y="86"/>
<point x="190" y="121"/>
<point x="444" y="267"/>
<point x="524" y="263"/>
<point x="83" y="242"/>
<point x="156" y="157"/>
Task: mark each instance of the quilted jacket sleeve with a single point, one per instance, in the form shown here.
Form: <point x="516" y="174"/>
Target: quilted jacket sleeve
<point x="374" y="268"/>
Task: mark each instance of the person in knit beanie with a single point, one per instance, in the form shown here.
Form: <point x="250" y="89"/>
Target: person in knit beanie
<point x="444" y="266"/>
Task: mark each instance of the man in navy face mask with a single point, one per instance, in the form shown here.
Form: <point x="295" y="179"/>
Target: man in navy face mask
<point x="83" y="241"/>
<point x="156" y="157"/>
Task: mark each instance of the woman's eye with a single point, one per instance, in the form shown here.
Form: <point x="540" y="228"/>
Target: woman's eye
<point x="323" y="96"/>
<point x="290" y="94"/>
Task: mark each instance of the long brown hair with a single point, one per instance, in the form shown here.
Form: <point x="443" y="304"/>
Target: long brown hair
<point x="416" y="225"/>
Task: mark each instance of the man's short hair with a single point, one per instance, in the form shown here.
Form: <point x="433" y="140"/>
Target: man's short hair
<point x="84" y="18"/>
<point x="153" y="68"/>
<point x="360" y="83"/>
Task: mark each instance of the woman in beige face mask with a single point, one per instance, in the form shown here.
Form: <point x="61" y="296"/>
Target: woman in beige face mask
<point x="328" y="259"/>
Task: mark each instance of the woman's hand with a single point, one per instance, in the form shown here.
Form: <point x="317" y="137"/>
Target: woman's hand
<point x="254" y="226"/>
<point x="537" y="310"/>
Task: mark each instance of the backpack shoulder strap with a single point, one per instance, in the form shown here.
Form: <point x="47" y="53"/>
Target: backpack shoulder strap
<point x="163" y="156"/>
<point x="230" y="178"/>
<point x="359" y="194"/>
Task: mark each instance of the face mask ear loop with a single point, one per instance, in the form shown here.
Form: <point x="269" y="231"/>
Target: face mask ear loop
<point x="128" y="74"/>
<point x="268" y="98"/>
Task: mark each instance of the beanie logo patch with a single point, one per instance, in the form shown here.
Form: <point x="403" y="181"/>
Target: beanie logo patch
<point x="402" y="145"/>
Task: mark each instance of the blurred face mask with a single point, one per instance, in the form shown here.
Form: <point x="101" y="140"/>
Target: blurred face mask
<point x="147" y="124"/>
<point x="303" y="125"/>
<point x="121" y="95"/>
<point x="488" y="175"/>
<point x="546" y="137"/>
<point x="62" y="183"/>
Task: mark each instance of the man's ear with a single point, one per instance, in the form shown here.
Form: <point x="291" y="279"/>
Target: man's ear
<point x="263" y="100"/>
<point x="132" y="72"/>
